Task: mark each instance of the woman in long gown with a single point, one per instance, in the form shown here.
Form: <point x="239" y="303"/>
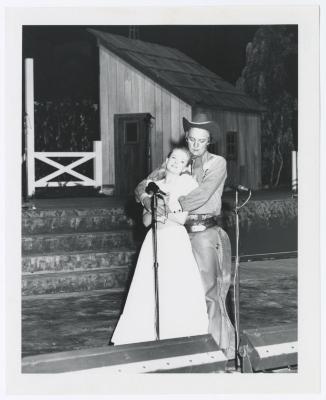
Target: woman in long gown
<point x="182" y="306"/>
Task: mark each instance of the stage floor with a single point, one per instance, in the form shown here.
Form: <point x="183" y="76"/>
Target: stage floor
<point x="268" y="293"/>
<point x="52" y="323"/>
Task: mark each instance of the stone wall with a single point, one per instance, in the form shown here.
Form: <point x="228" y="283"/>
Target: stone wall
<point x="266" y="226"/>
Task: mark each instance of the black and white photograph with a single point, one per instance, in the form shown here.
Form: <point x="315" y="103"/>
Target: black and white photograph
<point x="159" y="180"/>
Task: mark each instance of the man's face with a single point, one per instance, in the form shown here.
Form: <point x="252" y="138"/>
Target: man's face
<point x="198" y="140"/>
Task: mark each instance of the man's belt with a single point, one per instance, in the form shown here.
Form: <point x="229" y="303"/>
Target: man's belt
<point x="200" y="222"/>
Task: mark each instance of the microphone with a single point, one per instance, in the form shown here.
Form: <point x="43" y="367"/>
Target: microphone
<point x="241" y="188"/>
<point x="152" y="188"/>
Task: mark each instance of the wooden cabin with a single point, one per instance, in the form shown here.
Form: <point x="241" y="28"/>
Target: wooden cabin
<point x="145" y="90"/>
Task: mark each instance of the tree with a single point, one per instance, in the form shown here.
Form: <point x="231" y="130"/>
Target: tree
<point x="270" y="76"/>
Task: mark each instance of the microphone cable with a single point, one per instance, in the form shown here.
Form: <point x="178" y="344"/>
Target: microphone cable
<point x="235" y="277"/>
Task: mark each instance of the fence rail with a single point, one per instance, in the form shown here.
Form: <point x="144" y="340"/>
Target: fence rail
<point x="82" y="157"/>
<point x="30" y="155"/>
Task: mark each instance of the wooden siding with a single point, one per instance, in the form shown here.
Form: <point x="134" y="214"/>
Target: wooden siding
<point x="248" y="168"/>
<point x="123" y="89"/>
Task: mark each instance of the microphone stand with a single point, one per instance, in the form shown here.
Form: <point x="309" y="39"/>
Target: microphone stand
<point x="156" y="288"/>
<point x="236" y="279"/>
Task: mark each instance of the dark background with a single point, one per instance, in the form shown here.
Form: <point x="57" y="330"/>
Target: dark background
<point x="66" y="57"/>
<point x="66" y="69"/>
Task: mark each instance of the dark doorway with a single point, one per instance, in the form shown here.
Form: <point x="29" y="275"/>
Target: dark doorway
<point x="131" y="136"/>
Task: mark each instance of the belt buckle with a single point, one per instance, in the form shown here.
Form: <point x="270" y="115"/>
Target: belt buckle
<point x="198" y="228"/>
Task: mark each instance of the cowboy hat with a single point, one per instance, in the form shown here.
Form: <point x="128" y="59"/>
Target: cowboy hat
<point x="200" y="120"/>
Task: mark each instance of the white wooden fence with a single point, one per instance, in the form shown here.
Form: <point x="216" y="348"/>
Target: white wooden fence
<point x="295" y="172"/>
<point x="46" y="156"/>
<point x="82" y="157"/>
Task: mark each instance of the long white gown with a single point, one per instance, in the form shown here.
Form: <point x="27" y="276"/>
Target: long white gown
<point x="182" y="306"/>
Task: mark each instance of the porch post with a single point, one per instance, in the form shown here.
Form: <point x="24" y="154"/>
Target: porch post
<point x="294" y="172"/>
<point x="29" y="123"/>
<point x="97" y="148"/>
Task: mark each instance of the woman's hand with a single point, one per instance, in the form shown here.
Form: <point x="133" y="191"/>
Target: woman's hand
<point x="147" y="218"/>
<point x="161" y="205"/>
<point x="161" y="219"/>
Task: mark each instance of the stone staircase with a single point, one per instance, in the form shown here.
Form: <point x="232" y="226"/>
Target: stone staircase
<point x="78" y="256"/>
<point x="76" y="259"/>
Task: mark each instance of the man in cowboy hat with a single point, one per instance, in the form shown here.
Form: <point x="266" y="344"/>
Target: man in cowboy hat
<point x="210" y="243"/>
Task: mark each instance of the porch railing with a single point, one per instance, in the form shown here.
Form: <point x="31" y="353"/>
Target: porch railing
<point x="82" y="157"/>
<point x="294" y="172"/>
<point x="30" y="155"/>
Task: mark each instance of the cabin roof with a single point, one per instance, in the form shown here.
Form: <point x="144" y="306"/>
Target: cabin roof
<point x="178" y="73"/>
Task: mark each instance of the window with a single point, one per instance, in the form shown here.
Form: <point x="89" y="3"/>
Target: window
<point x="131" y="132"/>
<point x="231" y="146"/>
<point x="214" y="148"/>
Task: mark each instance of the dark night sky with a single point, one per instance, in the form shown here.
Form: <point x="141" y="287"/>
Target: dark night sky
<point x="66" y="57"/>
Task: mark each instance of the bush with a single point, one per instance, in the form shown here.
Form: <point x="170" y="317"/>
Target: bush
<point x="65" y="126"/>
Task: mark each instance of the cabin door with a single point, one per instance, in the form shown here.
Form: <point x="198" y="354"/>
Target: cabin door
<point x="132" y="151"/>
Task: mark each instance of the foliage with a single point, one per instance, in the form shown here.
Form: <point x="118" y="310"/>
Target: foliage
<point x="266" y="226"/>
<point x="264" y="214"/>
<point x="270" y="77"/>
<point x="65" y="126"/>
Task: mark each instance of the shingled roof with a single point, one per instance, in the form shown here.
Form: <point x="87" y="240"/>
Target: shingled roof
<point x="178" y="73"/>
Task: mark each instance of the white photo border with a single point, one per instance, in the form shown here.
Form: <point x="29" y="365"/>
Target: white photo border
<point x="307" y="380"/>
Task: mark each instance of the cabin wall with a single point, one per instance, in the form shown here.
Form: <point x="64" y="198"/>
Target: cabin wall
<point x="123" y="89"/>
<point x="246" y="170"/>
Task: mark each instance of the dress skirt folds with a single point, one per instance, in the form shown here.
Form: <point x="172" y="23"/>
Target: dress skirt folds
<point x="182" y="306"/>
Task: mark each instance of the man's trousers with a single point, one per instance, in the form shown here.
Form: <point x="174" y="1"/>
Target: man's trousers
<point x="212" y="251"/>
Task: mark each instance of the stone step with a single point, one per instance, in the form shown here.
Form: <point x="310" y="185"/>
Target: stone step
<point x="74" y="261"/>
<point x="91" y="241"/>
<point x="74" y="220"/>
<point x="68" y="282"/>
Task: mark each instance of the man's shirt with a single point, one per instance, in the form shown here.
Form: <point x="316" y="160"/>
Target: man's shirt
<point x="209" y="170"/>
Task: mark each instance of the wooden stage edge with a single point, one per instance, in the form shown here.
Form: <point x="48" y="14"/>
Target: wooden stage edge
<point x="268" y="349"/>
<point x="188" y="354"/>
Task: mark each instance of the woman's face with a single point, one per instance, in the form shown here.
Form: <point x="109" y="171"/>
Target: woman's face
<point x="177" y="161"/>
